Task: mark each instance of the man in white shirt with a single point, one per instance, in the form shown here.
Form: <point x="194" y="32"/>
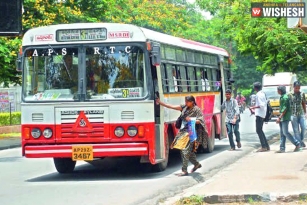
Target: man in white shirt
<point x="260" y="111"/>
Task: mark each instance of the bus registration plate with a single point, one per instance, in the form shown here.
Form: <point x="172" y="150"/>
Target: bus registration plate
<point x="82" y="152"/>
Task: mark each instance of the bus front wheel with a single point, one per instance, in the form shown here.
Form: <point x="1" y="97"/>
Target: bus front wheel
<point x="64" y="165"/>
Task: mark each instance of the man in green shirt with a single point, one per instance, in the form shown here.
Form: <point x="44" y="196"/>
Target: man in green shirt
<point x="284" y="119"/>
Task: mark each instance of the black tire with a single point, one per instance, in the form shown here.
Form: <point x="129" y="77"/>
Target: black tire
<point x="162" y="165"/>
<point x="64" y="165"/>
<point x="211" y="139"/>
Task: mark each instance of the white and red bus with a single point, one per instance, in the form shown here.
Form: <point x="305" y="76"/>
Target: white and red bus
<point x="105" y="106"/>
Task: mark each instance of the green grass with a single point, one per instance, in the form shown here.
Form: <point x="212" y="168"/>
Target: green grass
<point x="192" y="200"/>
<point x="14" y="134"/>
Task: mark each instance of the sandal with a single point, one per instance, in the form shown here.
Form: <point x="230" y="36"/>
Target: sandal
<point x="195" y="168"/>
<point x="182" y="174"/>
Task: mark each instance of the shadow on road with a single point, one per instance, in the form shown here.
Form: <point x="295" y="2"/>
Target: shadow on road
<point x="121" y="169"/>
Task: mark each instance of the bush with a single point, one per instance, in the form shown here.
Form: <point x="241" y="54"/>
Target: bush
<point x="5" y="118"/>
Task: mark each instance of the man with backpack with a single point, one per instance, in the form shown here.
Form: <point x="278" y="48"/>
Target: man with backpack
<point x="260" y="110"/>
<point x="298" y="107"/>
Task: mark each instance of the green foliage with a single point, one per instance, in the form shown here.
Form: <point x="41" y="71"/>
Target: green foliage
<point x="251" y="200"/>
<point x="274" y="46"/>
<point x="303" y="198"/>
<point x="176" y="17"/>
<point x="245" y="72"/>
<point x="8" y="53"/>
<point x="192" y="200"/>
<point x="302" y="77"/>
<point x="246" y="93"/>
<point x="5" y="118"/>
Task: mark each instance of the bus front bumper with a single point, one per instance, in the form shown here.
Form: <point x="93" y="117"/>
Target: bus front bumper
<point x="99" y="150"/>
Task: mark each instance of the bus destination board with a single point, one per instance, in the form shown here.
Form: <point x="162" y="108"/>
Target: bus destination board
<point x="91" y="34"/>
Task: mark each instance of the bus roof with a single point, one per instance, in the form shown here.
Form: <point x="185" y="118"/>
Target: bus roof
<point x="116" y="32"/>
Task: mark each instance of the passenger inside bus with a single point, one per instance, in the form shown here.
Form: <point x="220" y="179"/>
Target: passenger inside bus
<point x="69" y="74"/>
<point x="204" y="82"/>
<point x="175" y="80"/>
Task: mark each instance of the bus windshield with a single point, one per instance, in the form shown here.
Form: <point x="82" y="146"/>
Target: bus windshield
<point x="115" y="72"/>
<point x="108" y="72"/>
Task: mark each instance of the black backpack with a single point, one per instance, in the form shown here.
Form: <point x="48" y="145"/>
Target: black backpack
<point x="269" y="112"/>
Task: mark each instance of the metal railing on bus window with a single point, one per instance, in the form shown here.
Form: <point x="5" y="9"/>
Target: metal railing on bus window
<point x="205" y="85"/>
<point x="165" y="85"/>
<point x="191" y="86"/>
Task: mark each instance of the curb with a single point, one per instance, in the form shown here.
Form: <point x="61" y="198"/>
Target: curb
<point x="263" y="197"/>
<point x="175" y="198"/>
<point x="10" y="146"/>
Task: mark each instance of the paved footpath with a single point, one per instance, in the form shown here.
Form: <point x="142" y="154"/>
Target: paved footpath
<point x="262" y="176"/>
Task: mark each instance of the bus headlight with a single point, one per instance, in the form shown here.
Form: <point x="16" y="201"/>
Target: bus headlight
<point x="119" y="132"/>
<point x="36" y="133"/>
<point x="47" y="133"/>
<point x="132" y="131"/>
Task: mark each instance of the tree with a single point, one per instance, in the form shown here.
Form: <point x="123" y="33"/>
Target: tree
<point x="267" y="39"/>
<point x="8" y="53"/>
<point x="157" y="15"/>
<point x="245" y="72"/>
<point x="174" y="17"/>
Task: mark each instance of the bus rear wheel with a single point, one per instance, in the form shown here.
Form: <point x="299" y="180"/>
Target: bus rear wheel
<point x="211" y="139"/>
<point x="64" y="165"/>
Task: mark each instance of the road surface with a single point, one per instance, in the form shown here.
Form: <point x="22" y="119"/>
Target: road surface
<point x="112" y="181"/>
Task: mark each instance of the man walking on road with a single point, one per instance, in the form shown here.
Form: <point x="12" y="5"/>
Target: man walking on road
<point x="284" y="120"/>
<point x="232" y="119"/>
<point x="298" y="107"/>
<point x="260" y="111"/>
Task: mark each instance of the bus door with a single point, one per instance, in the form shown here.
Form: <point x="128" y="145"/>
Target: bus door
<point x="160" y="143"/>
<point x="222" y="93"/>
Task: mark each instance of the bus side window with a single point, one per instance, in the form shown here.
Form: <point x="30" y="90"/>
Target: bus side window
<point x="171" y="79"/>
<point x="214" y="79"/>
<point x="218" y="78"/>
<point x="183" y="81"/>
<point x="192" y="80"/>
<point x="209" y="77"/>
<point x="206" y="85"/>
<point x="199" y="79"/>
<point x="227" y="79"/>
<point x="178" y="81"/>
<point x="164" y="78"/>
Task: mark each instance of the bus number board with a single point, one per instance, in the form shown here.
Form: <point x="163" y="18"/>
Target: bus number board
<point x="91" y="34"/>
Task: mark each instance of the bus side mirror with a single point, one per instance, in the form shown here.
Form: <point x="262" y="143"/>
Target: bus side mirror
<point x="231" y="80"/>
<point x="18" y="63"/>
<point x="155" y="55"/>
